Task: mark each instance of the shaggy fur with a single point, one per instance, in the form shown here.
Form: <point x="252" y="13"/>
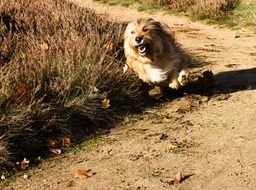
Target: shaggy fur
<point x="151" y="51"/>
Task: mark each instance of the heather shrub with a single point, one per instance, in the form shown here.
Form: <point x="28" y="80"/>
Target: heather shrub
<point x="201" y="9"/>
<point x="216" y="9"/>
<point x="58" y="63"/>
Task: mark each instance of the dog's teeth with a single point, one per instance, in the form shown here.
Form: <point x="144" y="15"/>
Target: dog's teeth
<point x="142" y="49"/>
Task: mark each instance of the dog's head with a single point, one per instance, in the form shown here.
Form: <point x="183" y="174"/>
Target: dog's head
<point x="146" y="37"/>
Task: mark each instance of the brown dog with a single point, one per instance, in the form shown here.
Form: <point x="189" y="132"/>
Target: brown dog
<point x="151" y="51"/>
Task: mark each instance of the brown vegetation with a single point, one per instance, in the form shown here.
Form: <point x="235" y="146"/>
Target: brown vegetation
<point x="216" y="9"/>
<point x="58" y="62"/>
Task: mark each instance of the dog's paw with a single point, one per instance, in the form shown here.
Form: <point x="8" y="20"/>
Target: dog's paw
<point x="183" y="78"/>
<point x="175" y="85"/>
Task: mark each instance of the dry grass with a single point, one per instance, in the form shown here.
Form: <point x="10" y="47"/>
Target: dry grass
<point x="215" y="9"/>
<point x="57" y="63"/>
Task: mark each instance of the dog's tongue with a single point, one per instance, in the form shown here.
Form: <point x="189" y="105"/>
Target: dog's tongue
<point x="142" y="49"/>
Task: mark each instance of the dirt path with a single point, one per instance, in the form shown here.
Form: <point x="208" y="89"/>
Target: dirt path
<point x="210" y="140"/>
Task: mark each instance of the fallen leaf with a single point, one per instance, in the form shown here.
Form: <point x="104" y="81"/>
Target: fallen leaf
<point x="66" y="141"/>
<point x="108" y="46"/>
<point x="2" y="177"/>
<point x="52" y="143"/>
<point x="24" y="164"/>
<point x="19" y="91"/>
<point x="105" y="103"/>
<point x="95" y="89"/>
<point x="125" y="68"/>
<point x="55" y="150"/>
<point x="25" y="176"/>
<point x="83" y="174"/>
<point x="178" y="178"/>
<point x="44" y="46"/>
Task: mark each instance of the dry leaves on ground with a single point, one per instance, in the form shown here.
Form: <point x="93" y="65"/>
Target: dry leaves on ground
<point x="3" y="177"/>
<point x="55" y="150"/>
<point x="24" y="164"/>
<point x="109" y="46"/>
<point x="66" y="141"/>
<point x="105" y="103"/>
<point x="51" y="143"/>
<point x="19" y="91"/>
<point x="44" y="46"/>
<point x="83" y="174"/>
<point x="177" y="179"/>
<point x="26" y="176"/>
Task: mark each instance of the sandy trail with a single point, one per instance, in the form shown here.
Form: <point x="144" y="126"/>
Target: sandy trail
<point x="210" y="140"/>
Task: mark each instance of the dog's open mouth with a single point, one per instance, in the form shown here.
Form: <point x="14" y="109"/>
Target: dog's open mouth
<point x="142" y="48"/>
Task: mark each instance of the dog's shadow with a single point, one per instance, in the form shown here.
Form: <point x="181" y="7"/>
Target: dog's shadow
<point x="223" y="83"/>
<point x="234" y="81"/>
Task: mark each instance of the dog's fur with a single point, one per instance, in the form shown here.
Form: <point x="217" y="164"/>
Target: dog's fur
<point x="151" y="51"/>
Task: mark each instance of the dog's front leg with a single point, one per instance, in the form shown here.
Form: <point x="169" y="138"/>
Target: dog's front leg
<point x="174" y="84"/>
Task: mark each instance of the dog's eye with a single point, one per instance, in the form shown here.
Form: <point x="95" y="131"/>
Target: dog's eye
<point x="144" y="29"/>
<point x="132" y="32"/>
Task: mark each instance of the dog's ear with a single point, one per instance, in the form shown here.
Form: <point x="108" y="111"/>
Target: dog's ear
<point x="167" y="39"/>
<point x="170" y="34"/>
<point x="127" y="29"/>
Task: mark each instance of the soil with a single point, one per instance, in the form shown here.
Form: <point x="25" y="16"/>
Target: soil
<point x="210" y="140"/>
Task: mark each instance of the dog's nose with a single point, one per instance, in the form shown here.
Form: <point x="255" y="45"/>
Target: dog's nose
<point x="138" y="39"/>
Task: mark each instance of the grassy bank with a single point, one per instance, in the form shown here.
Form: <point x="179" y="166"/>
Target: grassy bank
<point x="60" y="77"/>
<point x="231" y="13"/>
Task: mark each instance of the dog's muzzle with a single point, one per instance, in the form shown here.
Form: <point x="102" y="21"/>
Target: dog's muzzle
<point x="142" y="48"/>
<point x="140" y="45"/>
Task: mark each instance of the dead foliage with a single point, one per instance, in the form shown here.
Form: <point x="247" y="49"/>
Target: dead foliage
<point x="202" y="9"/>
<point x="84" y="174"/>
<point x="58" y="63"/>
